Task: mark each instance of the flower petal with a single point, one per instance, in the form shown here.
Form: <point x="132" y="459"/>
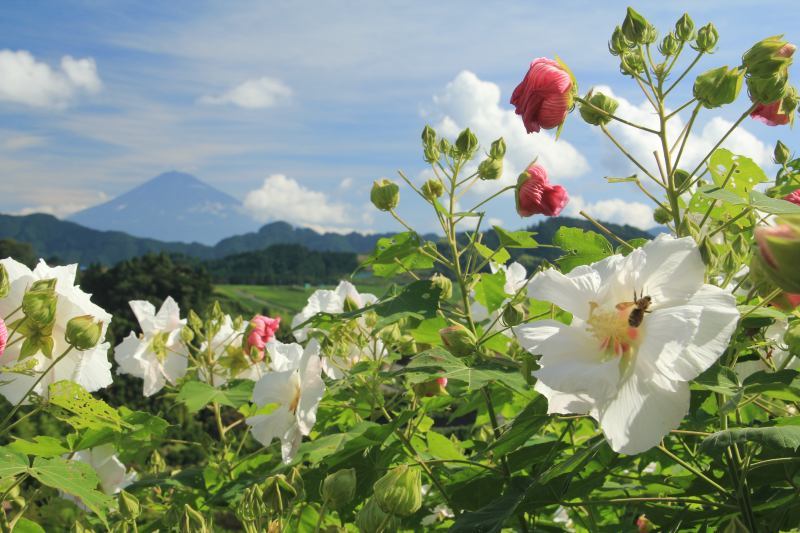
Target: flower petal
<point x="274" y="387"/>
<point x="563" y="402"/>
<point x="312" y="388"/>
<point x="571" y="292"/>
<point x="284" y="357"/>
<point x="672" y="271"/>
<point x="145" y="313"/>
<point x="265" y="428"/>
<point x="666" y="334"/>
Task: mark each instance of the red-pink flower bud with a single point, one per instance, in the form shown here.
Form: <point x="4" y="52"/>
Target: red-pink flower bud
<point x="793" y="197"/>
<point x="544" y="97"/>
<point x="535" y="195"/>
<point x="262" y="330"/>
<point x="3" y="336"/>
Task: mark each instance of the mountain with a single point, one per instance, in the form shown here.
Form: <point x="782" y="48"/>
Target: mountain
<point x="173" y="206"/>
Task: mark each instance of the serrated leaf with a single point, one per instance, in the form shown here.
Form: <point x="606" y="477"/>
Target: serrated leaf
<point x="427" y="332"/>
<point x="490" y="290"/>
<point x="783" y="384"/>
<point x="420" y="297"/>
<point x="786" y="437"/>
<point x="12" y="463"/>
<point x="582" y="247"/>
<point x="515" y="239"/>
<point x="24" y="525"/>
<point x="491" y="518"/>
<point x="525" y="425"/>
<point x="73" y="477"/>
<point x="720" y="379"/>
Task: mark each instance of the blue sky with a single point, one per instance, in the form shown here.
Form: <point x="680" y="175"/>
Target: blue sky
<point x="328" y="95"/>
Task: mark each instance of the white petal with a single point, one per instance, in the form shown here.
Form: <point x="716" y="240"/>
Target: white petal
<point x="572" y="292"/>
<point x="313" y="388"/>
<point x="92" y="370"/>
<point x="128" y="355"/>
<point x="564" y="403"/>
<point x="145" y="313"/>
<point x="275" y="387"/>
<point x="642" y="413"/>
<point x="516" y="276"/>
<point x="290" y="443"/>
<point x="666" y="334"/>
<point x="284" y="357"/>
<point x="175" y="366"/>
<point x="168" y="317"/>
<point x="673" y="270"/>
<point x="265" y="428"/>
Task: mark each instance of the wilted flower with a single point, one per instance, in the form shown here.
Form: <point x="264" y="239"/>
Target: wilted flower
<point x="157" y="356"/>
<point x="631" y="375"/>
<point x="793" y="197"/>
<point x="545" y="95"/>
<point x="295" y="384"/>
<point x="778" y="113"/>
<point x="262" y="329"/>
<point x="535" y="195"/>
<point x="90" y="368"/>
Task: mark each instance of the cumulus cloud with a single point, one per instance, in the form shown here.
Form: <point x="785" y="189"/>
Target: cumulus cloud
<point x="64" y="209"/>
<point x="613" y="210"/>
<point x="468" y="101"/>
<point x="24" y="80"/>
<point x="282" y="198"/>
<point x="258" y="93"/>
<point x="642" y="144"/>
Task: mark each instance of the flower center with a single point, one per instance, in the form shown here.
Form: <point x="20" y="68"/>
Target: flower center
<point x="296" y="390"/>
<point x="612" y="330"/>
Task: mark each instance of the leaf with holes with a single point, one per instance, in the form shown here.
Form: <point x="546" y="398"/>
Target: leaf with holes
<point x="397" y="254"/>
<point x="80" y="409"/>
<point x="745" y="177"/>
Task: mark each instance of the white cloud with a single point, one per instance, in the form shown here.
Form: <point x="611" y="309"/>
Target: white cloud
<point x="24" y="80"/>
<point x="468" y="101"/>
<point x="642" y="144"/>
<point x="252" y="94"/>
<point x="64" y="209"/>
<point x="346" y="184"/>
<point x="613" y="210"/>
<point x="282" y="198"/>
<point x="21" y="142"/>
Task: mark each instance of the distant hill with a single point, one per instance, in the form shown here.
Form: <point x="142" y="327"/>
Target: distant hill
<point x="173" y="206"/>
<point x="70" y="242"/>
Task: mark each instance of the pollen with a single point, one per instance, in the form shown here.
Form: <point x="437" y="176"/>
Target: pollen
<point x="611" y="329"/>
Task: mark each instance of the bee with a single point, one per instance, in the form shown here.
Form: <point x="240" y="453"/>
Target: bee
<point x="641" y="305"/>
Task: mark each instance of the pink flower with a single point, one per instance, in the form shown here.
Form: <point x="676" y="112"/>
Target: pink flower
<point x="544" y="97"/>
<point x="793" y="197"/>
<point x="442" y="382"/>
<point x="771" y="114"/>
<point x="536" y="196"/>
<point x="262" y="330"/>
<point x="3" y="336"/>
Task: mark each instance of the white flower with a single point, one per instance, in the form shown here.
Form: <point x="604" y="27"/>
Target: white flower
<point x="112" y="473"/>
<point x="632" y="380"/>
<point x="561" y="516"/>
<point x="329" y="301"/>
<point x="231" y="360"/>
<point x="440" y="513"/>
<point x="295" y="385"/>
<point x="516" y="277"/>
<point x="777" y="352"/>
<point x="158" y="355"/>
<point x="90" y="369"/>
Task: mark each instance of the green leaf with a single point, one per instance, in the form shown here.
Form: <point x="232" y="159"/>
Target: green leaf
<point x="524" y="426"/>
<point x="783" y="384"/>
<point x="720" y="379"/>
<point x="197" y="394"/>
<point x="420" y="297"/>
<point x="575" y="462"/>
<point x="515" y="239"/>
<point x="41" y="445"/>
<point x="440" y="447"/>
<point x="440" y="363"/>
<point x="489" y="290"/>
<point x="75" y="478"/>
<point x="718" y="193"/>
<point x="501" y="255"/>
<point x="490" y="519"/>
<point x="744" y="178"/>
<point x="82" y="410"/>
<point x="24" y="525"/>
<point x="582" y="247"/>
<point x="427" y="332"/>
<point x="774" y="206"/>
<point x="787" y="437"/>
<point x="397" y="254"/>
<point x="12" y="463"/>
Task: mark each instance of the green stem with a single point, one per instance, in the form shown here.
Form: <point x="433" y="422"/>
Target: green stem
<point x="605" y="230"/>
<point x="613" y="117"/>
<point x="629" y="156"/>
<point x="322" y="512"/>
<point x="692" y="469"/>
<point x="685" y="72"/>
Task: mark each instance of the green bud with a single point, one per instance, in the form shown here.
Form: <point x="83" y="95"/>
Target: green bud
<point x="445" y="147"/>
<point x="407" y="345"/>
<point x="195" y="321"/>
<point x="684" y="28"/>
<point x="779" y="252"/>
<point x="718" y="87"/>
<point x="128" y="505"/>
<point x="768" y="57"/>
<point x="432" y="189"/>
<point x="458" y="340"/>
<point x="740" y="246"/>
<point x="431" y="154"/>
<point x="187" y="334"/>
<point x="636" y="29"/>
<point x="661" y="215"/>
<point x="490" y="169"/>
<point x="680" y="178"/>
<point x="399" y="491"/>
<point x="513" y="314"/>
<point x="193" y="521"/>
<point x="295" y="479"/>
<point x="39" y="304"/>
<point x="466" y="143"/>
<point x="444" y="284"/>
<point x="83" y="332"/>
<point x="428" y="136"/>
<point x="4" y="283"/>
<point x="618" y="43"/>
<point x="339" y="489"/>
<point x="631" y="63"/>
<point x="251" y="507"/>
<point x="78" y="527"/>
<point x="600" y="109"/>
<point x="669" y="45"/>
<point x="768" y="89"/>
<point x="781" y="153"/>
<point x="792" y="338"/>
<point x="498" y="149"/>
<point x="277" y="493"/>
<point x="707" y="38"/>
<point x="385" y="194"/>
<point x="372" y="519"/>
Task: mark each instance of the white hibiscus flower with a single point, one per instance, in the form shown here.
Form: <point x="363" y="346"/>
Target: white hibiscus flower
<point x="632" y="380"/>
<point x="90" y="368"/>
<point x="440" y="513"/>
<point x="516" y="277"/>
<point x="330" y="301"/>
<point x="231" y="361"/>
<point x="112" y="473"/>
<point x="777" y="352"/>
<point x="157" y="356"/>
<point x="295" y="385"/>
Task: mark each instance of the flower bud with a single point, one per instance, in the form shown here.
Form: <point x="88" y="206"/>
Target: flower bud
<point x="4" y="283"/>
<point x="431" y="154"/>
<point x="680" y="178"/>
<point x="684" y="28"/>
<point x="251" y="507"/>
<point x="428" y="136"/>
<point x="436" y="387"/>
<point x="432" y="189"/>
<point x="498" y="149"/>
<point x="793" y="197"/>
<point x="535" y="195"/>
<point x="399" y="491"/>
<point x="385" y="194"/>
<point x="779" y="252"/>
<point x="718" y="86"/>
<point x="83" y="332"/>
<point x="513" y="314"/>
<point x="444" y="284"/>
<point x="194" y="521"/>
<point x="445" y="147"/>
<point x="636" y="29"/>
<point x="277" y="493"/>
<point x="372" y="519"/>
<point x="599" y="110"/>
<point x="644" y="525"/>
<point x="781" y="153"/>
<point x="339" y="488"/>
<point x="458" y="340"/>
<point x="128" y="505"/>
<point x="707" y="38"/>
<point x="490" y="169"/>
<point x="407" y="345"/>
<point x="39" y="304"/>
<point x="631" y="63"/>
<point x="769" y="56"/>
<point x="669" y="45"/>
<point x="767" y="89"/>
<point x="661" y="215"/>
<point x="618" y="43"/>
<point x="779" y="112"/>
<point x="187" y="334"/>
<point x="466" y="143"/>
